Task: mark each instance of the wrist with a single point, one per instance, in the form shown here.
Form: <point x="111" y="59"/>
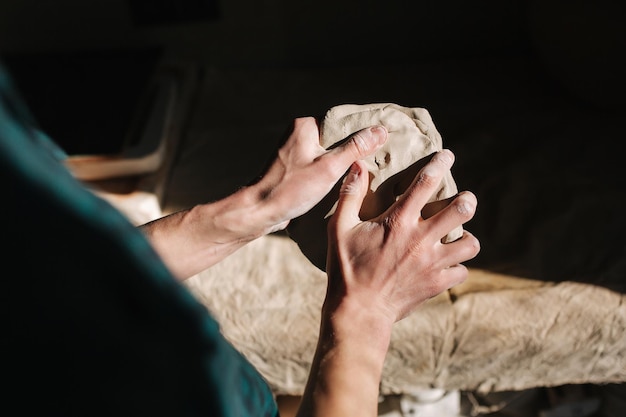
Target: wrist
<point x="194" y="239"/>
<point x="348" y="363"/>
<point x="240" y="217"/>
<point x="352" y="322"/>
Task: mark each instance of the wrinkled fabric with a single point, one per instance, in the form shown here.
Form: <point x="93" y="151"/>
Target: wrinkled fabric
<point x="494" y="332"/>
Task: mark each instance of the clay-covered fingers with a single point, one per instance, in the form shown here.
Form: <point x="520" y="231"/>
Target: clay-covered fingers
<point x="303" y="172"/>
<point x="459" y="251"/>
<point x="351" y="196"/>
<point x="458" y="212"/>
<point x="359" y="145"/>
<point x="450" y="277"/>
<point x="423" y="186"/>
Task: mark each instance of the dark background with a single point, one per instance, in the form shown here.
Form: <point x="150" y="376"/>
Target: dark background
<point x="530" y="95"/>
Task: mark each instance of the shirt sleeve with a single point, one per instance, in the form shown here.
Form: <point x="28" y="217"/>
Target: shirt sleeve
<point x="96" y="323"/>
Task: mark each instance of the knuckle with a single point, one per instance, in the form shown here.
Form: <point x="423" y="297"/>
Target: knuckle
<point x="465" y="204"/>
<point x="358" y="145"/>
<point x="472" y="244"/>
<point x="391" y="222"/>
<point x="427" y="178"/>
<point x="304" y="124"/>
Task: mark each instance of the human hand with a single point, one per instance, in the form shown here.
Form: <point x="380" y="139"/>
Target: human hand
<point x="391" y="264"/>
<point x="379" y="270"/>
<point x="304" y="172"/>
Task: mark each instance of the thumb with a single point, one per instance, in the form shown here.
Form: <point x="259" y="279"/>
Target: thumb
<point x="358" y="146"/>
<point x="351" y="196"/>
<point x="365" y="142"/>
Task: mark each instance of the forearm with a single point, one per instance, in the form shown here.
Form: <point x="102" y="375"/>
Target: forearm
<point x="347" y="367"/>
<point x="378" y="272"/>
<point x="300" y="176"/>
<point x="192" y="240"/>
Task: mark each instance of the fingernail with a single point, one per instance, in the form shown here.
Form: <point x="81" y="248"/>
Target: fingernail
<point x="445" y="155"/>
<point x="378" y="135"/>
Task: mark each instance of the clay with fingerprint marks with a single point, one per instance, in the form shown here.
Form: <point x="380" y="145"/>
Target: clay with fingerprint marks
<point x="412" y="140"/>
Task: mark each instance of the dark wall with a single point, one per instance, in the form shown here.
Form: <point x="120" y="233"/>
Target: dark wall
<point x="579" y="44"/>
<point x="239" y="31"/>
<point x="531" y="93"/>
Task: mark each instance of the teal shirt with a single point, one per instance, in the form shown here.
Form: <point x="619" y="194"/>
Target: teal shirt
<point x="97" y="325"/>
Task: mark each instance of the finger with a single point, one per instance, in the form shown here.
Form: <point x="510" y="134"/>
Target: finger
<point x="361" y="144"/>
<point x="447" y="278"/>
<point x="434" y="207"/>
<point x="458" y="212"/>
<point x="351" y="196"/>
<point x="307" y="133"/>
<point x="453" y="276"/>
<point x="425" y="184"/>
<point x="461" y="250"/>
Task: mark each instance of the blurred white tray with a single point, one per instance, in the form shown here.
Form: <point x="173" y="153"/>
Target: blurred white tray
<point x="145" y="145"/>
